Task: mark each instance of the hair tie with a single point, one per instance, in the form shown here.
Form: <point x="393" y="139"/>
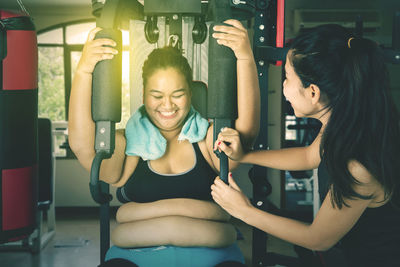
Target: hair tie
<point x="348" y="42"/>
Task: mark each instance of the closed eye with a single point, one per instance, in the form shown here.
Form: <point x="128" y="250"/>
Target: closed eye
<point x="157" y="96"/>
<point x="178" y="96"/>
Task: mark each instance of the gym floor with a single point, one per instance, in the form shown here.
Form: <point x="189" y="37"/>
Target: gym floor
<point x="77" y="242"/>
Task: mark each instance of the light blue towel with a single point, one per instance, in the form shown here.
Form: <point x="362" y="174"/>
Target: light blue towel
<point x="143" y="138"/>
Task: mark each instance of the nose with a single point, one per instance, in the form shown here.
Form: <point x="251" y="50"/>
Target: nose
<point x="167" y="103"/>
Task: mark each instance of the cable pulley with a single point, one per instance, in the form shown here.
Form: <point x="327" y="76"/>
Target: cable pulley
<point x="199" y="31"/>
<point x="151" y="30"/>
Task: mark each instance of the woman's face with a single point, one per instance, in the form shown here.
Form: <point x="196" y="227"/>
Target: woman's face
<point x="167" y="98"/>
<point x="294" y="91"/>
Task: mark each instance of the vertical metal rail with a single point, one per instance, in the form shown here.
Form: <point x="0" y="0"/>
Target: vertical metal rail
<point x="258" y="174"/>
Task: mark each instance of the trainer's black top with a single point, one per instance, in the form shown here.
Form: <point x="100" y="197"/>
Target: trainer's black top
<point x="146" y="185"/>
<point x="374" y="241"/>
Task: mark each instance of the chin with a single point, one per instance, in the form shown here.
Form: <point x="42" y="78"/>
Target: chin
<point x="169" y="129"/>
<point x="169" y="126"/>
<point x="298" y="114"/>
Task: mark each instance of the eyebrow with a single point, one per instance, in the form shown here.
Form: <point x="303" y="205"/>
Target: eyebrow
<point x="176" y="91"/>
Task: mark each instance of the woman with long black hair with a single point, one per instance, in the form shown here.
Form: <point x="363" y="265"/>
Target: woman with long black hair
<point x="342" y="81"/>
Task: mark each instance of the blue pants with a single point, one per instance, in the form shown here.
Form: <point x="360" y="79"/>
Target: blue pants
<point x="171" y="256"/>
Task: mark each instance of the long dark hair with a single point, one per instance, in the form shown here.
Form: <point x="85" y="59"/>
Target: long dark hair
<point x="163" y="58"/>
<point x="364" y="123"/>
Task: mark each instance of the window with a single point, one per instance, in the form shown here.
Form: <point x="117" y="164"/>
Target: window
<point x="60" y="48"/>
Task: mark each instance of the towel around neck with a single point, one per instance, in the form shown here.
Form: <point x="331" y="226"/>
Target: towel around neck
<point x="144" y="139"/>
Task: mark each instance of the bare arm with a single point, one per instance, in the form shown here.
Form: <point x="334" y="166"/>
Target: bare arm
<point x="248" y="91"/>
<point x="187" y="207"/>
<point x="296" y="158"/>
<point x="81" y="127"/>
<point x="174" y="230"/>
<point x="329" y="226"/>
<point x="248" y="121"/>
<point x="80" y="124"/>
<point x="321" y="235"/>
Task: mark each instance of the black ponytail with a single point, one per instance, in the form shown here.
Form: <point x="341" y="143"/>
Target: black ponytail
<point x="364" y="123"/>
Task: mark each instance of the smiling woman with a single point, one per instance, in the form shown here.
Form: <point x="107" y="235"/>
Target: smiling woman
<point x="164" y="164"/>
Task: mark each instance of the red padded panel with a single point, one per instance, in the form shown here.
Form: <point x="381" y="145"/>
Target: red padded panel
<point x="7" y="14"/>
<point x="20" y="65"/>
<point x="280" y="26"/>
<point x="18" y="197"/>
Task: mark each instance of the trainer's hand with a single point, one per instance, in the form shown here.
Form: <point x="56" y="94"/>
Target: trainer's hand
<point x="229" y="142"/>
<point x="94" y="51"/>
<point x="230" y="197"/>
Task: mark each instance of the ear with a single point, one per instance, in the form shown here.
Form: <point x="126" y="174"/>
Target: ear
<point x="314" y="93"/>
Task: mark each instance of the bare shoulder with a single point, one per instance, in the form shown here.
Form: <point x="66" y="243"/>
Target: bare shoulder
<point x="313" y="155"/>
<point x="367" y="184"/>
<point x="359" y="172"/>
<point x="120" y="140"/>
<point x="207" y="141"/>
<point x="209" y="136"/>
<point x="121" y="131"/>
<point x="206" y="146"/>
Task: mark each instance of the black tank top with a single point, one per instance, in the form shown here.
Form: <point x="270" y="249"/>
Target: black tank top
<point x="374" y="240"/>
<point x="146" y="185"/>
